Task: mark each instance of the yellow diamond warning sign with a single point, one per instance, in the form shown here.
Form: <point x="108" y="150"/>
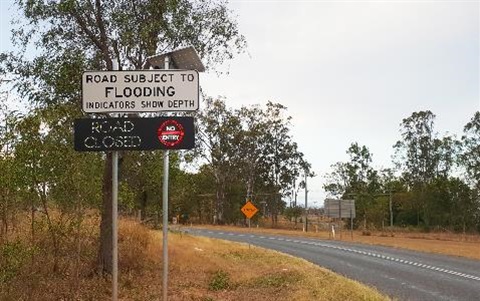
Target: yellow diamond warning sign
<point x="249" y="210"/>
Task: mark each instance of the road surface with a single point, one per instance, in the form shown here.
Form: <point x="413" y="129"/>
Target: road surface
<point x="398" y="273"/>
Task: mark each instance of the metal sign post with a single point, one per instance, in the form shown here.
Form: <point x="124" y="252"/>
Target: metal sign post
<point x="341" y="209"/>
<point x="249" y="210"/>
<point x="114" y="219"/>
<point x="114" y="225"/>
<point x="166" y="163"/>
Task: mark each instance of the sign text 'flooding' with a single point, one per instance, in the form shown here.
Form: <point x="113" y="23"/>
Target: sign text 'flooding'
<point x="140" y="91"/>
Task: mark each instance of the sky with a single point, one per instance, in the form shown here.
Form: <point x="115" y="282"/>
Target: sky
<point x="349" y="71"/>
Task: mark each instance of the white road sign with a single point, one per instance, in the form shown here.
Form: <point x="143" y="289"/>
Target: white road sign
<point x="340" y="208"/>
<point x="140" y="91"/>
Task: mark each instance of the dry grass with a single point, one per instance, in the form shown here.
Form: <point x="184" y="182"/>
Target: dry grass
<point x="440" y="243"/>
<point x="200" y="269"/>
<point x="209" y="269"/>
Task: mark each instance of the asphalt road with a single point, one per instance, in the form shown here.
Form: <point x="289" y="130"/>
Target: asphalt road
<point x="398" y="273"/>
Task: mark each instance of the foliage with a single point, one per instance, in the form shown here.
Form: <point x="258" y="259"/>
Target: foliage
<point x="220" y="281"/>
<point x="428" y="193"/>
<point x="293" y="212"/>
<point x="251" y="154"/>
<point x="356" y="179"/>
<point x="13" y="257"/>
<point x="72" y="36"/>
<point x="470" y="157"/>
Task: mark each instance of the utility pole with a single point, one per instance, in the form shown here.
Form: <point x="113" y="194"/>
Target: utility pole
<point x="391" y="209"/>
<point x="306" y="203"/>
<point x="293" y="194"/>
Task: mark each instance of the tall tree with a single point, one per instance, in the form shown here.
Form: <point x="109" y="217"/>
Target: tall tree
<point x="416" y="152"/>
<point x="355" y="179"/>
<point x="72" y="36"/>
<point x="251" y="146"/>
<point x="220" y="137"/>
<point x="423" y="158"/>
<point x="470" y="157"/>
<point x="9" y="177"/>
<point x="284" y="162"/>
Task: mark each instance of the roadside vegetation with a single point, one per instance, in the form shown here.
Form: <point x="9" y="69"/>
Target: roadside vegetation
<point x="200" y="268"/>
<point x="52" y="241"/>
<point x="435" y="185"/>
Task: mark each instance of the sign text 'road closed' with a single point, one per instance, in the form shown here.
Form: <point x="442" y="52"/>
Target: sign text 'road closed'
<point x="133" y="134"/>
<point x="140" y="91"/>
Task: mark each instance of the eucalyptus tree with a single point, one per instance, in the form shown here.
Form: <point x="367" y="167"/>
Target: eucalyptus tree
<point x="220" y="136"/>
<point x="281" y="157"/>
<point x="470" y="160"/>
<point x="71" y="36"/>
<point x="252" y="143"/>
<point x="356" y="179"/>
<point x="423" y="157"/>
<point x="350" y="177"/>
<point x="250" y="147"/>
<point x="269" y="157"/>
<point x="470" y="157"/>
<point x="416" y="151"/>
<point x="9" y="177"/>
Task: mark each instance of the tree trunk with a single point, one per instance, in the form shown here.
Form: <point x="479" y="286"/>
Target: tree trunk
<point x="4" y="227"/>
<point x="219" y="206"/>
<point x="143" y="206"/>
<point x="104" y="259"/>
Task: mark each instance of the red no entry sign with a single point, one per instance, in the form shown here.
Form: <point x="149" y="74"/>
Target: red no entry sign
<point x="170" y="133"/>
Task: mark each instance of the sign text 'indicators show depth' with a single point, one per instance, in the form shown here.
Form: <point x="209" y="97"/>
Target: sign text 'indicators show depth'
<point x="140" y="91"/>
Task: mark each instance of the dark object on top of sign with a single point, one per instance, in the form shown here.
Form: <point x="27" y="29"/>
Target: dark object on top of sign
<point x="186" y="58"/>
<point x="112" y="134"/>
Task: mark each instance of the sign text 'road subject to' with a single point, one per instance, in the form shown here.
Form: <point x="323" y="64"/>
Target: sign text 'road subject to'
<point x="140" y="91"/>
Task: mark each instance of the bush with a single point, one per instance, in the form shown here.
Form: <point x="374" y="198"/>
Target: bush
<point x="13" y="256"/>
<point x="220" y="281"/>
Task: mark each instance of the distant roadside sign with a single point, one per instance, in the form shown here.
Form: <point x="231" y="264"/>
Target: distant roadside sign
<point x="249" y="210"/>
<point x="111" y="134"/>
<point x="340" y="208"/>
<point x="140" y="91"/>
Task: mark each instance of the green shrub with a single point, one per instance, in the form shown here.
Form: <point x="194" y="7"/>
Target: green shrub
<point x="220" y="281"/>
<point x="13" y="256"/>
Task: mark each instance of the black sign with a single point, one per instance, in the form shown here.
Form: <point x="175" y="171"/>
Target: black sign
<point x="111" y="134"/>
